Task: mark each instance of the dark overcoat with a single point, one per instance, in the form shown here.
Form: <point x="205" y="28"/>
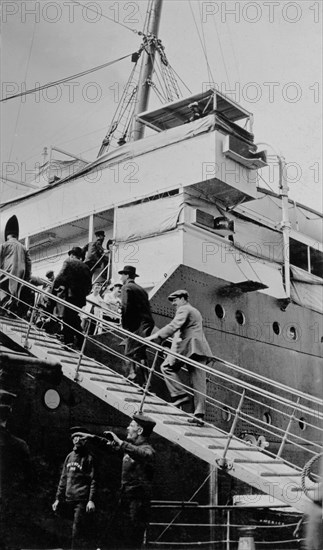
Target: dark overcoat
<point x="15" y="259"/>
<point x="136" y="314"/>
<point x="75" y="276"/>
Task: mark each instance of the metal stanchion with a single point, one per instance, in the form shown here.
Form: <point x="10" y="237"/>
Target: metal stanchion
<point x="246" y="538"/>
<point x="148" y="383"/>
<point x="86" y="333"/>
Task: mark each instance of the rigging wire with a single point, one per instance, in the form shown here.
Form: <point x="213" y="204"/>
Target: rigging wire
<point x="233" y="50"/>
<point x="19" y="108"/>
<point x="107" y="17"/>
<point x="201" y="42"/>
<point x="182" y="81"/>
<point x="66" y="79"/>
<point x="221" y="51"/>
<point x="190" y="500"/>
<point x="210" y="75"/>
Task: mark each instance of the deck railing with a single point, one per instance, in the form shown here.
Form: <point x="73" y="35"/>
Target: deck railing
<point x="239" y="394"/>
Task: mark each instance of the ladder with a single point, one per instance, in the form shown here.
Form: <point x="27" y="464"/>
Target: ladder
<point x="248" y="463"/>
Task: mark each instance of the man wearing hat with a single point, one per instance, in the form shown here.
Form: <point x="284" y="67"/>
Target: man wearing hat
<point x="14" y="259"/>
<point x="196" y="112"/>
<point x="136" y="317"/>
<point x="73" y="283"/>
<point x="77" y="486"/>
<point x="190" y="341"/>
<point x="96" y="258"/>
<point x="138" y="467"/>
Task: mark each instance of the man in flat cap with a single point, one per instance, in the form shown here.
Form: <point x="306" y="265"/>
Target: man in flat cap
<point x="138" y="467"/>
<point x="77" y="487"/>
<point x="96" y="258"/>
<point x="136" y="317"/>
<point x="73" y="283"/>
<point x="189" y="340"/>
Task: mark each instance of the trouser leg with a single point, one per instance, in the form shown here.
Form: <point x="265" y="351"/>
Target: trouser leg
<point x="172" y="379"/>
<point x="198" y="382"/>
<point x="78" y="529"/>
<point x="72" y="327"/>
<point x="135" y="518"/>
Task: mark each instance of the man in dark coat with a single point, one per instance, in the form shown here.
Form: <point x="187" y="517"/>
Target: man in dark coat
<point x="15" y="259"/>
<point x="136" y="317"/>
<point x="73" y="283"/>
<point x="77" y="486"/>
<point x="15" y="481"/>
<point x="189" y="340"/>
<point x="96" y="258"/>
<point x="138" y="467"/>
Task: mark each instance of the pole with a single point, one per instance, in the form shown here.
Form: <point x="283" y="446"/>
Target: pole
<point x="285" y="223"/>
<point x="213" y="490"/>
<point x="146" y="69"/>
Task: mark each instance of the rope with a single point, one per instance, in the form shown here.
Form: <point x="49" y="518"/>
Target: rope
<point x="107" y="17"/>
<point x="192" y="497"/>
<point x="202" y="45"/>
<point x="20" y="104"/>
<point x="306" y="472"/>
<point x="66" y="79"/>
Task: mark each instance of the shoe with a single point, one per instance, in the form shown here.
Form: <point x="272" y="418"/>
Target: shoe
<point x="132" y="376"/>
<point x="179" y="400"/>
<point x="197" y="420"/>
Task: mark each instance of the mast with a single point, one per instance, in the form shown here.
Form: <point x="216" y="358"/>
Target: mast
<point x="146" y="69"/>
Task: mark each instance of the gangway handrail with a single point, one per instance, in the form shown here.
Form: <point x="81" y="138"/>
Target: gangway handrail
<point x="215" y="373"/>
<point x="221" y="462"/>
<point x="188" y="360"/>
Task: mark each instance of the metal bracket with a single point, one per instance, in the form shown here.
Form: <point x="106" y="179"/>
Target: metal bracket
<point x="224" y="464"/>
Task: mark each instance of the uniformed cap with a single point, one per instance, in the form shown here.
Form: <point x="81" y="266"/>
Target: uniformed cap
<point x="99" y="233"/>
<point x="7" y="398"/>
<point x="78" y="430"/>
<point x="145" y="422"/>
<point x="178" y="294"/>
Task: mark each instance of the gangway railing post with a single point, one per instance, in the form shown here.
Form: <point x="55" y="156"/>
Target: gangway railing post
<point x="291" y="420"/>
<point x="31" y="321"/>
<point x="227" y="538"/>
<point x="222" y="461"/>
<point x="146" y="389"/>
<point x="85" y="334"/>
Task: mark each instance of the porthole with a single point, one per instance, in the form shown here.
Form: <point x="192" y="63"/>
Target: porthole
<point x="240" y="318"/>
<point x="267" y="417"/>
<point x="291" y="333"/>
<point x="226" y="414"/>
<point x="302" y="423"/>
<point x="219" y="311"/>
<point x="276" y="328"/>
<point x="52" y="399"/>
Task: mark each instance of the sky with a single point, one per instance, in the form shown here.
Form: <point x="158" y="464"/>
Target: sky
<point x="267" y="55"/>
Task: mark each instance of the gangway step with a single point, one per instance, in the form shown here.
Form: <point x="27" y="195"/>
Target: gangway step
<point x="251" y="465"/>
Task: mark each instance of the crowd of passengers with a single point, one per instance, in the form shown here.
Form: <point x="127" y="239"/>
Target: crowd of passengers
<point x="83" y="282"/>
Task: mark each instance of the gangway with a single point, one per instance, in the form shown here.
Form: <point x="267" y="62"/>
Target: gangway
<point x="270" y="474"/>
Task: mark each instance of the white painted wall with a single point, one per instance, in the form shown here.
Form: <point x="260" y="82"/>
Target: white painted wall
<point x="215" y="255"/>
<point x="177" y="165"/>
